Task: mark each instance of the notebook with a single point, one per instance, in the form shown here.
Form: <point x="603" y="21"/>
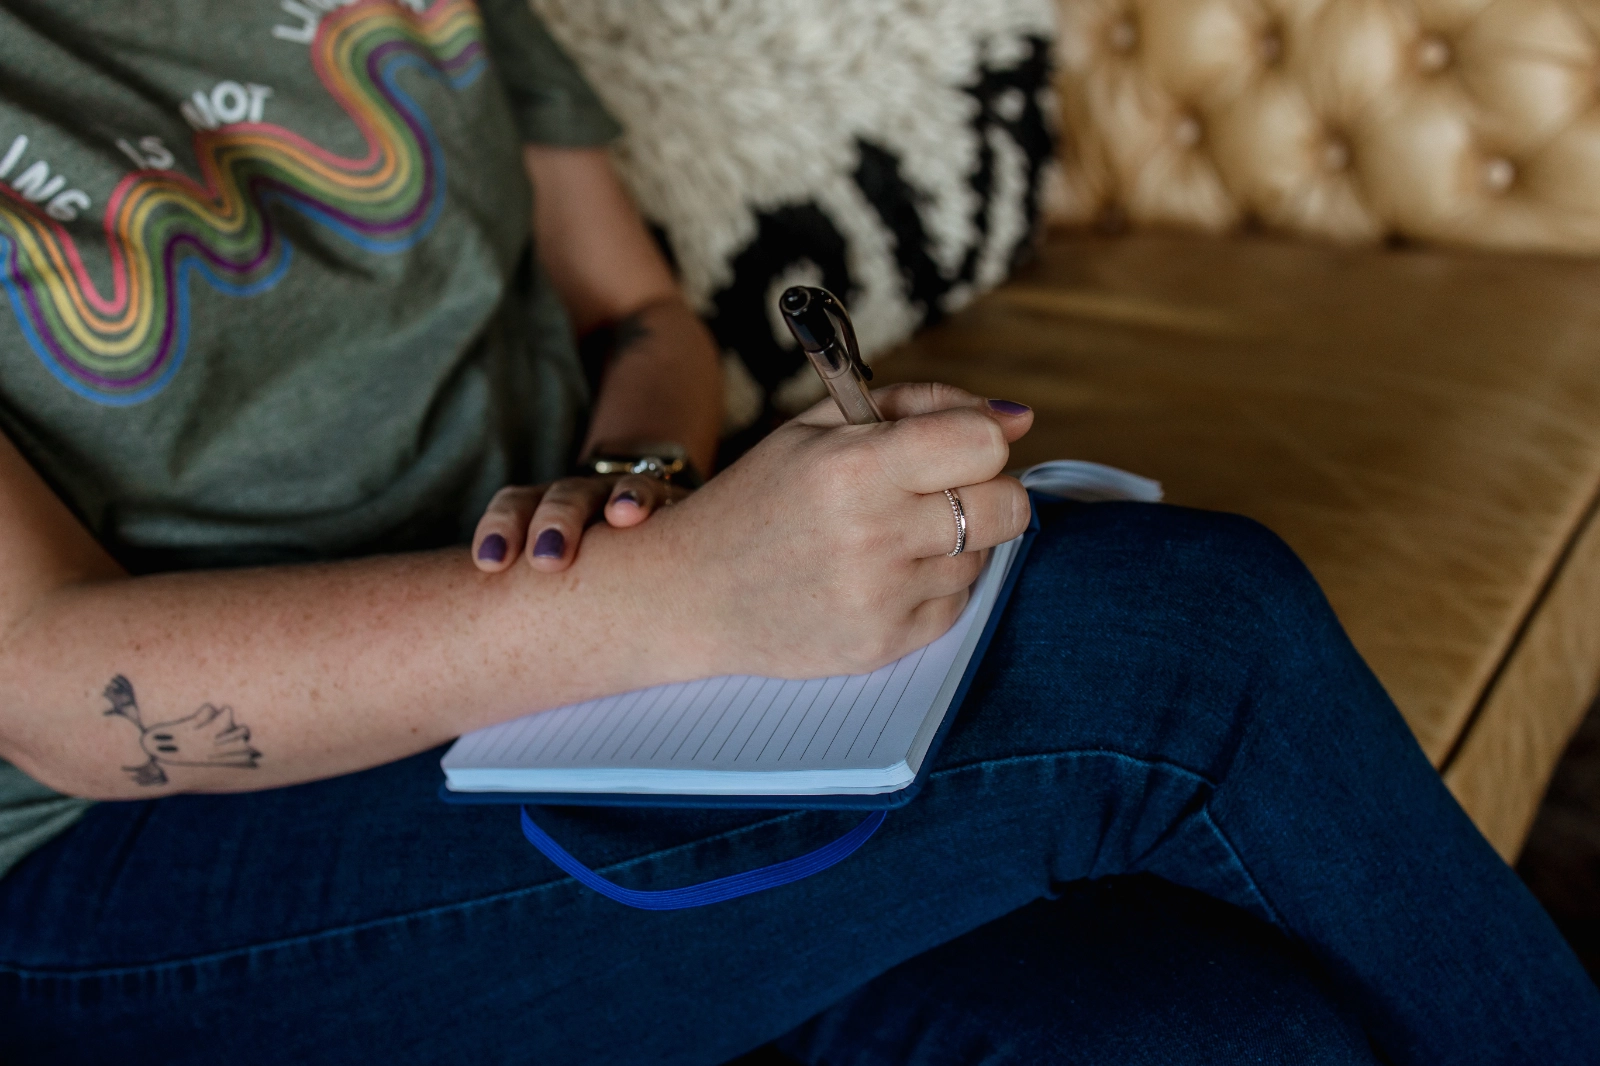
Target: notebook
<point x="852" y="741"/>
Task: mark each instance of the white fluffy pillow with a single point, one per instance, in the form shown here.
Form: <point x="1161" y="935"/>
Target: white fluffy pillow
<point x="892" y="150"/>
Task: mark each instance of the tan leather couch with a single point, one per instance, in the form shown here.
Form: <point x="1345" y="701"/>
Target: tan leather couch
<point x="1302" y="323"/>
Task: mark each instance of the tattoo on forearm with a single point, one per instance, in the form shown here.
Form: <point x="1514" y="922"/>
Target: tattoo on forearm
<point x="208" y="737"/>
<point x="605" y="344"/>
<point x="628" y="331"/>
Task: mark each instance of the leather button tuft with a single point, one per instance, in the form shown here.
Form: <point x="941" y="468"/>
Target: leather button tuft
<point x="1499" y="174"/>
<point x="1272" y="47"/>
<point x="1111" y="220"/>
<point x="1125" y="34"/>
<point x="1465" y="121"/>
<point x="1336" y="153"/>
<point x="1433" y="54"/>
<point x="1188" y="131"/>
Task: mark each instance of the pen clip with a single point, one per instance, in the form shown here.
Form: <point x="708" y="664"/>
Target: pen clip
<point x="847" y="332"/>
<point x="822" y="328"/>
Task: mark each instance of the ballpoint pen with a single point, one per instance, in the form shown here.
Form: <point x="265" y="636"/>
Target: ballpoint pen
<point x="822" y="327"/>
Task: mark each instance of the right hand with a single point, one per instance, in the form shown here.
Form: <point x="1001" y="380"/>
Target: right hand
<point x="824" y="550"/>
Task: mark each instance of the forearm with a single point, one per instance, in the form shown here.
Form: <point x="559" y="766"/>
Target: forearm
<point x="663" y="382"/>
<point x="330" y="668"/>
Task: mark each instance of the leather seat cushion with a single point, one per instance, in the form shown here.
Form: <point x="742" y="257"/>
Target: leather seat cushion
<point x="1423" y="427"/>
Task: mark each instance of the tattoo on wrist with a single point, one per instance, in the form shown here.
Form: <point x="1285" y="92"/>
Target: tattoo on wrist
<point x="208" y="737"/>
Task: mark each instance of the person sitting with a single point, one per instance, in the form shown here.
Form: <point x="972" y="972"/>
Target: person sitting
<point x="291" y="399"/>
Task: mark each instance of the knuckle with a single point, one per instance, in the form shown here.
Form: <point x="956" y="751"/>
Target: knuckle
<point x="560" y="512"/>
<point x="951" y="609"/>
<point x="977" y="434"/>
<point x="906" y="398"/>
<point x="645" y="489"/>
<point x="879" y="648"/>
<point x="923" y="397"/>
<point x="899" y="392"/>
<point x="509" y="498"/>
<point x="991" y="438"/>
<point x="578" y="488"/>
<point x="840" y="472"/>
<point x="858" y="536"/>
<point x="971" y="565"/>
<point x="942" y="396"/>
<point x="1020" y="508"/>
<point x="947" y="609"/>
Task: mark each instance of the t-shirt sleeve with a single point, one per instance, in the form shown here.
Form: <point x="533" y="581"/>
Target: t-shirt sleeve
<point x="550" y="98"/>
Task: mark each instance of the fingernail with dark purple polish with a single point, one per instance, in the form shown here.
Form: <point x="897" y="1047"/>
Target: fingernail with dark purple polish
<point x="493" y="548"/>
<point x="1010" y="407"/>
<point x="550" y="545"/>
<point x="627" y="496"/>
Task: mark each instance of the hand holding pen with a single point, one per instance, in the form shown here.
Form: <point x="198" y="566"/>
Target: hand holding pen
<point x="822" y="328"/>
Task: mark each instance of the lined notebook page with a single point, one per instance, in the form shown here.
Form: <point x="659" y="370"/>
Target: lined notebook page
<point x="739" y="735"/>
<point x="758" y="736"/>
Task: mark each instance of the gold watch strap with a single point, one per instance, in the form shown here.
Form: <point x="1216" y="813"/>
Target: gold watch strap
<point x="650" y="465"/>
<point x="665" y="462"/>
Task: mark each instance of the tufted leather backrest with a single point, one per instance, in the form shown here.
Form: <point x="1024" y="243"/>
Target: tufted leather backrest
<point x="1465" y="121"/>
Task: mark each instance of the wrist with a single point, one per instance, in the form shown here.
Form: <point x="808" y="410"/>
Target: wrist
<point x="627" y="618"/>
<point x="664" y="384"/>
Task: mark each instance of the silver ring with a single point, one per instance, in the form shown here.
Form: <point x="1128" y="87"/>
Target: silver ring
<point x="961" y="521"/>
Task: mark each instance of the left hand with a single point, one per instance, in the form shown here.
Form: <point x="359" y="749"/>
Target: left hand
<point x="662" y="380"/>
<point x="544" y="523"/>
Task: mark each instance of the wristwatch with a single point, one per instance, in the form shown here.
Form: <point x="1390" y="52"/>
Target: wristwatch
<point x="662" y="460"/>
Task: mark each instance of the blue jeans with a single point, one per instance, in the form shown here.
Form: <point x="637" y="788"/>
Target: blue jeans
<point x="1130" y="971"/>
<point x="1168" y="694"/>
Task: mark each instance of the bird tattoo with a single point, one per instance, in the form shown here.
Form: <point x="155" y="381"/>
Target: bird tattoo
<point x="208" y="737"/>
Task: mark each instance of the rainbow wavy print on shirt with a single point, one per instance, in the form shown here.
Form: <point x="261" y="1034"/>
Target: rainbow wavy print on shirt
<point x="161" y="227"/>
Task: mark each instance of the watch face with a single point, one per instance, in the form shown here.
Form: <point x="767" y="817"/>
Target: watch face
<point x="667" y="461"/>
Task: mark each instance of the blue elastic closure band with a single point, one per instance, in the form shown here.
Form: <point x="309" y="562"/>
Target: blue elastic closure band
<point x="723" y="888"/>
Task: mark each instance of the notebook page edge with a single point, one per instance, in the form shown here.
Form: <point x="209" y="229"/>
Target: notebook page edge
<point x="633" y="781"/>
<point x="993" y="580"/>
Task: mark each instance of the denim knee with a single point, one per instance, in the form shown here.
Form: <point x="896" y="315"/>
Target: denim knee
<point x="1196" y="571"/>
<point x="1126" y="970"/>
<point x="1170" y="549"/>
<point x="1153" y="627"/>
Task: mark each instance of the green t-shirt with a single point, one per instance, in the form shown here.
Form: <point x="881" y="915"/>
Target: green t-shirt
<point x="268" y="271"/>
